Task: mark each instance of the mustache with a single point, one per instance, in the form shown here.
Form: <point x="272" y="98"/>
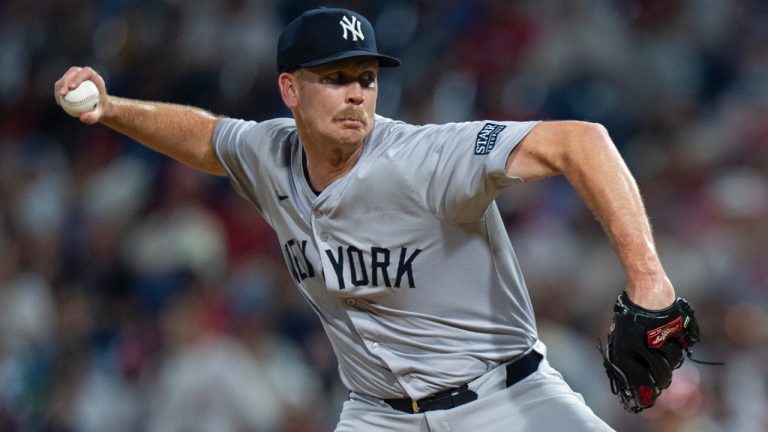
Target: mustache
<point x="354" y="114"/>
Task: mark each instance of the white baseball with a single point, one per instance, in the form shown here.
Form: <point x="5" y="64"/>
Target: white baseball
<point x="82" y="99"/>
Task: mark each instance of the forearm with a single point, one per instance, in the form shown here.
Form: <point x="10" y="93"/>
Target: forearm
<point x="594" y="167"/>
<point x="585" y="154"/>
<point x="182" y="132"/>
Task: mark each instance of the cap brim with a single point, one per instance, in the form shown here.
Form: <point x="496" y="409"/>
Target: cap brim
<point x="384" y="60"/>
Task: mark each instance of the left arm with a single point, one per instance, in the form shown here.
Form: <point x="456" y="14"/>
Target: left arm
<point x="585" y="154"/>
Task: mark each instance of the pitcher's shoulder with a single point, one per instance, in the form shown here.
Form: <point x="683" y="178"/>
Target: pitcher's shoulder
<point x="387" y="132"/>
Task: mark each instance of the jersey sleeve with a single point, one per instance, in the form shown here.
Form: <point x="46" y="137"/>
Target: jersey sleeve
<point x="233" y="141"/>
<point x="460" y="168"/>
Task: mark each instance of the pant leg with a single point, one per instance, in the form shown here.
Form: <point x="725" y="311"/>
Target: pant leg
<point x="542" y="402"/>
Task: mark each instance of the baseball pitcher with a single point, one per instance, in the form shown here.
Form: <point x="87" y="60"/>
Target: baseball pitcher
<point x="391" y="234"/>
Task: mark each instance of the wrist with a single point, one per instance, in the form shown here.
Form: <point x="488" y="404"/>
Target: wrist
<point x="655" y="294"/>
<point x="107" y="109"/>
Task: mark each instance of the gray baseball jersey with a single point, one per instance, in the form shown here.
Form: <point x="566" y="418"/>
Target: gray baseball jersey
<point x="405" y="259"/>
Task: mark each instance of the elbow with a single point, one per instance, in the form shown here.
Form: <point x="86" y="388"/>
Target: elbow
<point x="584" y="140"/>
<point x="587" y="133"/>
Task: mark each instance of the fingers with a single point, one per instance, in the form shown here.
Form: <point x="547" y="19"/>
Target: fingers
<point x="72" y="78"/>
<point x="67" y="82"/>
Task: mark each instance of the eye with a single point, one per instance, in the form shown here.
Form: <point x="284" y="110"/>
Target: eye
<point x="334" y="78"/>
<point x="367" y="80"/>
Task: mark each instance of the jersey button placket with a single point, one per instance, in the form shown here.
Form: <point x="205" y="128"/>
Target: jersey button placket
<point x="317" y="226"/>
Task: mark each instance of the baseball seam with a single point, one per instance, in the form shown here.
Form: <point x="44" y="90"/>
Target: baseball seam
<point x="81" y="101"/>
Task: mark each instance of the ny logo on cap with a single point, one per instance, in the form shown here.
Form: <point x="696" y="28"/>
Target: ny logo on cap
<point x="353" y="27"/>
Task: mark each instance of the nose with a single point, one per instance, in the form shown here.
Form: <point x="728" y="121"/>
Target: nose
<point x="355" y="93"/>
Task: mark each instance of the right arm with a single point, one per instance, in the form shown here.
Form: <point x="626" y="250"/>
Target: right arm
<point x="182" y="132"/>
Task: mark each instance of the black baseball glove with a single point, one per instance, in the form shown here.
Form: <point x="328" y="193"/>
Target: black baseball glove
<point x="644" y="347"/>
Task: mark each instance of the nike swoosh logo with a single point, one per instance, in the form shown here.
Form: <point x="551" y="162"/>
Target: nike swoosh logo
<point x="282" y="197"/>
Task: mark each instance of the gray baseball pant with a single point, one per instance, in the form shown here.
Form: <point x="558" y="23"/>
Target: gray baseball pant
<point x="541" y="402"/>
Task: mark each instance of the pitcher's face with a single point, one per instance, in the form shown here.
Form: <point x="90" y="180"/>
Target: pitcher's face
<point x="337" y="101"/>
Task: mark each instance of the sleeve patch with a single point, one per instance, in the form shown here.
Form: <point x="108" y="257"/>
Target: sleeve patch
<point x="486" y="138"/>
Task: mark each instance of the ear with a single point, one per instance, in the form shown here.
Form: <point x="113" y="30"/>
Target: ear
<point x="289" y="87"/>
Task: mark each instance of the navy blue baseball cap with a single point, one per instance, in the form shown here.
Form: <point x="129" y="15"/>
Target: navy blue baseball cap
<point x="324" y="35"/>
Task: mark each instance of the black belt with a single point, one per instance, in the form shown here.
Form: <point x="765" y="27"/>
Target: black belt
<point x="516" y="371"/>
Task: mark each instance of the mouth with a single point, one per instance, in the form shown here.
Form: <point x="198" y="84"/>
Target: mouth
<point x="350" y="121"/>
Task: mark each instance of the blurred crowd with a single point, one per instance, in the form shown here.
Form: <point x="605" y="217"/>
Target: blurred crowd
<point x="137" y="294"/>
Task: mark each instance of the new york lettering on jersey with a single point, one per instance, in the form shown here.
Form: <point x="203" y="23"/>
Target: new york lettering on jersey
<point x="356" y="267"/>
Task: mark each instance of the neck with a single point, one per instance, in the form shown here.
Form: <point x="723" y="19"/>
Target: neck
<point x="328" y="161"/>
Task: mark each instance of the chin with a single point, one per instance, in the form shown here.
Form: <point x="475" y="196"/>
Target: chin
<point x="353" y="136"/>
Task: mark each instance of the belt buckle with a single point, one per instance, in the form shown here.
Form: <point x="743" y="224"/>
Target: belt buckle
<point x="414" y="405"/>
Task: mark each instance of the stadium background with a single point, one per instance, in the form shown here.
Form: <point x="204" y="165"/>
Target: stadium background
<point x="136" y="294"/>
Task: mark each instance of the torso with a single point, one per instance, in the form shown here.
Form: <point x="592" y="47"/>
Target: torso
<point x="412" y="301"/>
